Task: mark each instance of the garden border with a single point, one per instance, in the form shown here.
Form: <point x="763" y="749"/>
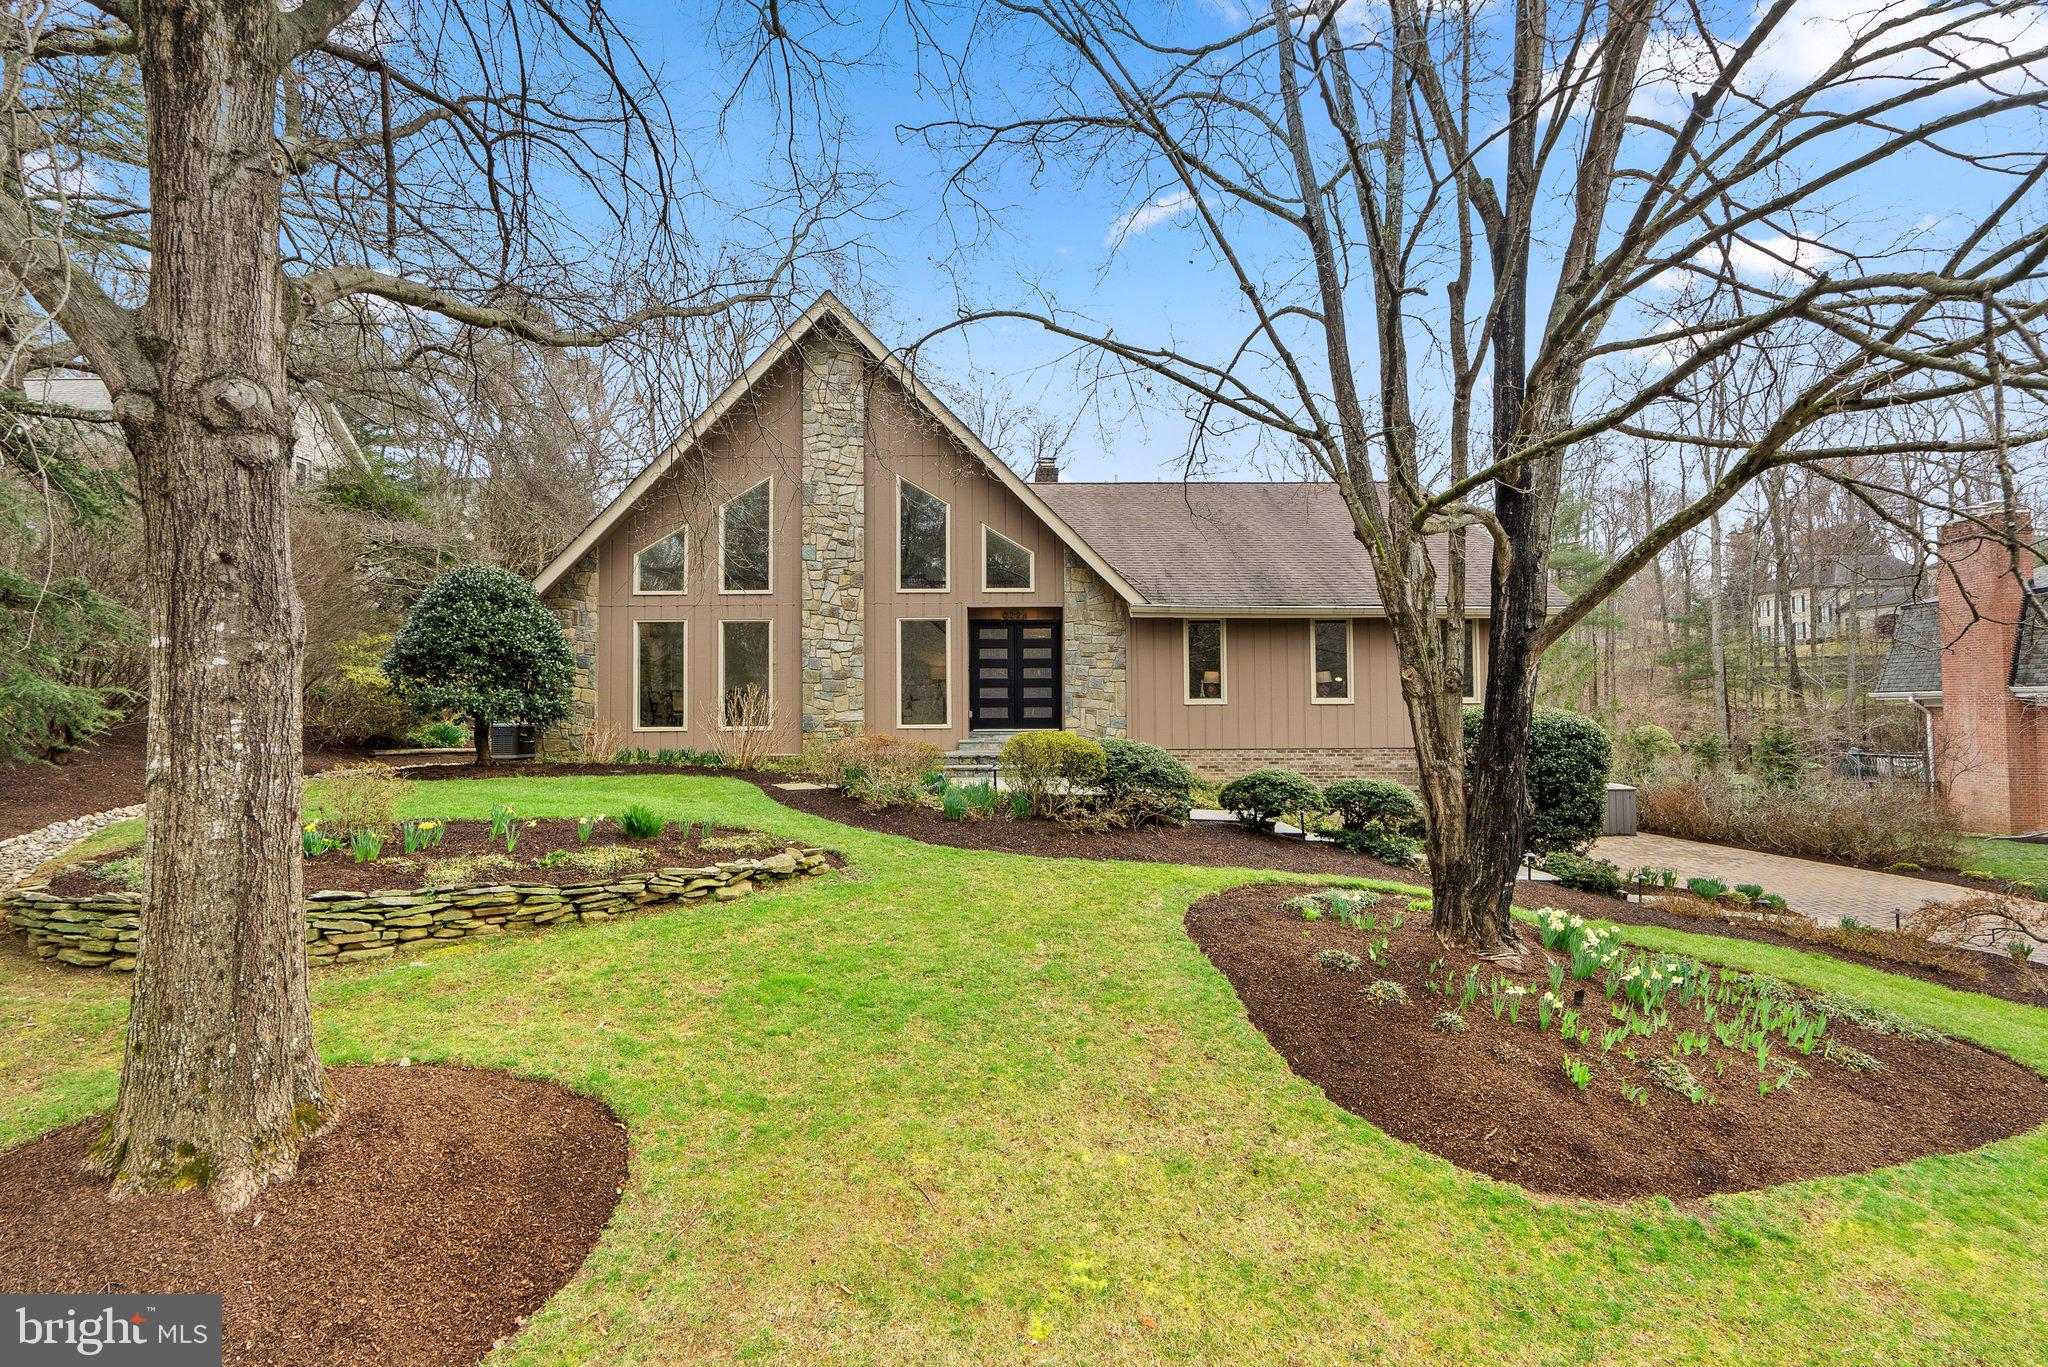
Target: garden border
<point x="104" y="930"/>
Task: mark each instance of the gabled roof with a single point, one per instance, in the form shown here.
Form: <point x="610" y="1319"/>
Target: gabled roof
<point x="828" y="306"/>
<point x="1261" y="546"/>
<point x="1912" y="667"/>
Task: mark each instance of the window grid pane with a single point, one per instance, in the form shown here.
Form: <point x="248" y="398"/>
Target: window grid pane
<point x="660" y="567"/>
<point x="1333" y="661"/>
<point x="1205" y="660"/>
<point x="921" y="674"/>
<point x="661" y="700"/>
<point x="921" y="539"/>
<point x="745" y="541"/>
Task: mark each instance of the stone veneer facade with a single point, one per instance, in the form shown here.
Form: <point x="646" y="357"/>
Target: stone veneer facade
<point x="573" y="600"/>
<point x="835" y="426"/>
<point x="1094" y="653"/>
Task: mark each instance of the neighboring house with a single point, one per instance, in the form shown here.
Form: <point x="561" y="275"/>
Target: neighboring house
<point x="829" y="533"/>
<point x="1841" y="594"/>
<point x="321" y="441"/>
<point x="1974" y="659"/>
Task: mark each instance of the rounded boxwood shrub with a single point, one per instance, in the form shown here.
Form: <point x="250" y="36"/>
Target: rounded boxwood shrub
<point x="1050" y="767"/>
<point x="1378" y="842"/>
<point x="1142" y="782"/>
<point x="1568" y="760"/>
<point x="1265" y="795"/>
<point x="1365" y="802"/>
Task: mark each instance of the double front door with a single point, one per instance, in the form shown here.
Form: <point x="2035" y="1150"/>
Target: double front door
<point x="1016" y="674"/>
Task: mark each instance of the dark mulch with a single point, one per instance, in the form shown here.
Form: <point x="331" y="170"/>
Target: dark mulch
<point x="1494" y="1099"/>
<point x="431" y="1221"/>
<point x="104" y="774"/>
<point x="393" y="870"/>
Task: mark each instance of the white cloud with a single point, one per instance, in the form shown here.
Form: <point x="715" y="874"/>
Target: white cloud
<point x="1143" y="219"/>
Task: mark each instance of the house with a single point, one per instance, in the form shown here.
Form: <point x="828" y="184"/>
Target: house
<point x="1838" y="594"/>
<point x="1974" y="660"/>
<point x="828" y="533"/>
<point x="321" y="441"/>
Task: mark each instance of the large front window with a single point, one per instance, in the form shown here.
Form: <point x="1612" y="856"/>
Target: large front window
<point x="744" y="540"/>
<point x="922" y="674"/>
<point x="1205" y="661"/>
<point x="743" y="675"/>
<point x="659" y="699"/>
<point x="664" y="566"/>
<point x="1332" y="642"/>
<point x="921" y="527"/>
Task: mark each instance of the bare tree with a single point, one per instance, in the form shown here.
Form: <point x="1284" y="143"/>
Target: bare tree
<point x="1335" y="163"/>
<point x="451" y="162"/>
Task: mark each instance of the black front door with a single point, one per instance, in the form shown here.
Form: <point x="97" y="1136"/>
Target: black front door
<point x="1016" y="676"/>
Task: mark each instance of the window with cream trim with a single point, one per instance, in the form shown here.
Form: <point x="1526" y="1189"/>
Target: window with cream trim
<point x="664" y="566"/>
<point x="660" y="698"/>
<point x="1202" y="644"/>
<point x="744" y="537"/>
<point x="1330" y="643"/>
<point x="923" y="525"/>
<point x="744" y="682"/>
<point x="1006" y="567"/>
<point x="923" y="672"/>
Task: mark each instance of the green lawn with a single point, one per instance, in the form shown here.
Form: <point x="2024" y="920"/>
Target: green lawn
<point x="962" y="1106"/>
<point x="2015" y="859"/>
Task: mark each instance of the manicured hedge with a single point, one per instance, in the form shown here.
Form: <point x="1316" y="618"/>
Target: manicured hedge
<point x="1365" y="802"/>
<point x="1142" y="782"/>
<point x="1266" y="795"/>
<point x="1569" y="757"/>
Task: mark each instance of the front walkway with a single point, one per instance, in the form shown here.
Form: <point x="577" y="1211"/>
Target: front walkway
<point x="1821" y="892"/>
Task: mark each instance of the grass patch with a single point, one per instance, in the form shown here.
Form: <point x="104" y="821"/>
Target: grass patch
<point x="957" y="1105"/>
<point x="2018" y="860"/>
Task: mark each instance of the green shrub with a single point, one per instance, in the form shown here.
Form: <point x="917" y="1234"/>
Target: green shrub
<point x="1142" y="783"/>
<point x="1709" y="750"/>
<point x="639" y="822"/>
<point x="438" y="733"/>
<point x="479" y="643"/>
<point x="1375" y="802"/>
<point x="1777" y="756"/>
<point x="1568" y="761"/>
<point x="1580" y="871"/>
<point x="1266" y="795"/>
<point x="1377" y="842"/>
<point x="1051" y="768"/>
<point x="1642" y="749"/>
<point x="349" y="702"/>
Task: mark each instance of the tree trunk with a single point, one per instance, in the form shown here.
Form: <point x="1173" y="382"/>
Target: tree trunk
<point x="480" y="737"/>
<point x="221" y="1085"/>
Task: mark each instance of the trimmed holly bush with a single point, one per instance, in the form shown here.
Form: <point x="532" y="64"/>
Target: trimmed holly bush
<point x="1587" y="874"/>
<point x="1266" y="795"/>
<point x="1143" y="783"/>
<point x="1568" y="760"/>
<point x="480" y="644"/>
<point x="1050" y="767"/>
<point x="1365" y="802"/>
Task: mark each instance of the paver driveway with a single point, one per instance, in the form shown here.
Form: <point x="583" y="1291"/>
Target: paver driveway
<point x="1822" y="892"/>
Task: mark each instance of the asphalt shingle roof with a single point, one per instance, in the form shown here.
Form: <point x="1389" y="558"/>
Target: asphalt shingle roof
<point x="1220" y="546"/>
<point x="1913" y="665"/>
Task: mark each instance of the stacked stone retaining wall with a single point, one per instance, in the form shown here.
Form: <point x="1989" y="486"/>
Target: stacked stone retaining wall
<point x="104" y="930"/>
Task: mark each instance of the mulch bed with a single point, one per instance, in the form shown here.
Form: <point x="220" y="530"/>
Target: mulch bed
<point x="439" y="1214"/>
<point x="393" y="870"/>
<point x="1494" y="1099"/>
<point x="101" y="776"/>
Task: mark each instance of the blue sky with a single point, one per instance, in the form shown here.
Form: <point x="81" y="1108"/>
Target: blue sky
<point x="1154" y="282"/>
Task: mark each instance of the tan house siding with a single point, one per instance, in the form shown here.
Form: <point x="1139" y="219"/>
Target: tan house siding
<point x="760" y="439"/>
<point x="1267" y="708"/>
<point x="905" y="443"/>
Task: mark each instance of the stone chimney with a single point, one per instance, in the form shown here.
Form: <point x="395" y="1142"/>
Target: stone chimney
<point x="1983" y="736"/>
<point x="1047" y="471"/>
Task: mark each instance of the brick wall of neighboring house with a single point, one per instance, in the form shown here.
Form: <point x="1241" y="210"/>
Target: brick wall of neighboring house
<point x="573" y="600"/>
<point x="1095" y="654"/>
<point x="835" y="435"/>
<point x="1990" y="744"/>
<point x="1322" y="765"/>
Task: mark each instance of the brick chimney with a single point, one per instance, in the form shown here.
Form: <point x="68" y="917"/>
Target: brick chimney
<point x="1047" y="471"/>
<point x="1985" y="741"/>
